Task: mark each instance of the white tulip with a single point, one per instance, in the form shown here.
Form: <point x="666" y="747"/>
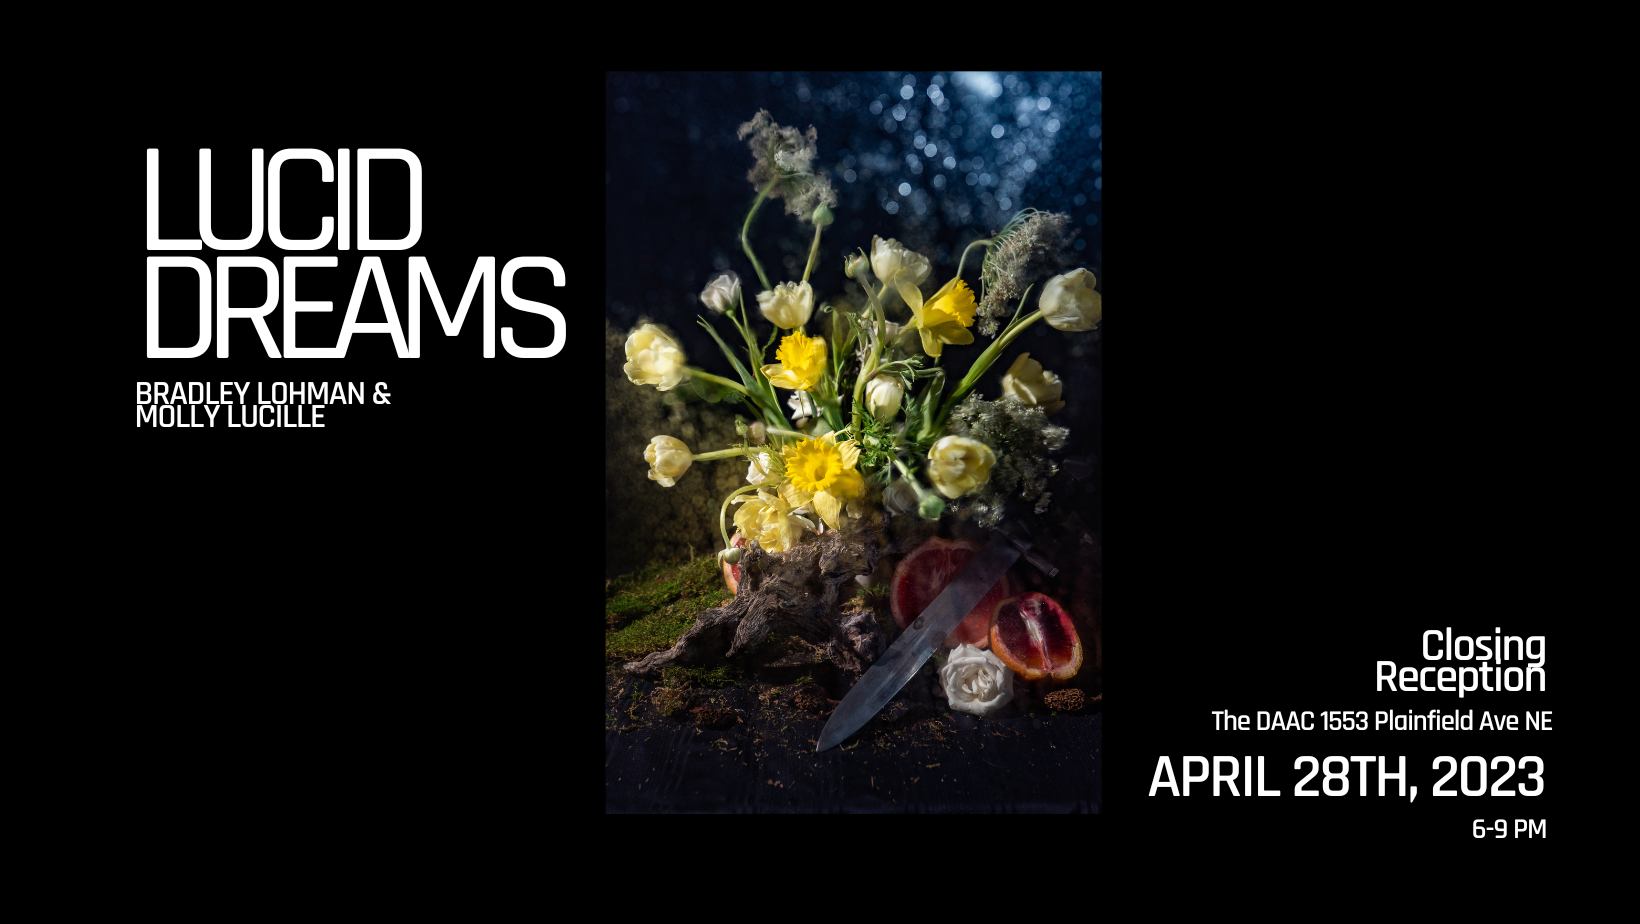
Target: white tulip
<point x="883" y="394"/>
<point x="892" y="263"/>
<point x="788" y="305"/>
<point x="654" y="358"/>
<point x="722" y="293"/>
<point x="668" y="458"/>
<point x="1070" y="303"/>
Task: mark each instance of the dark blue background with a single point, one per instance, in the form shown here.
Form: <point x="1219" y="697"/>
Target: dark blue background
<point x="933" y="159"/>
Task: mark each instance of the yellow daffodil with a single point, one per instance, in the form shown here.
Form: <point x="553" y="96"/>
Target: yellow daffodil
<point x="802" y="362"/>
<point x="820" y="472"/>
<point x="944" y="318"/>
<point x="768" y="520"/>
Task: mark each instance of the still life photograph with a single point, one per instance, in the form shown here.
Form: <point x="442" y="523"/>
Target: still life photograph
<point x="854" y="409"/>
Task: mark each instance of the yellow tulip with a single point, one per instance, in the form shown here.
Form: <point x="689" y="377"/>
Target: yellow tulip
<point x="668" y="458"/>
<point x="957" y="465"/>
<point x="654" y="358"/>
<point x="766" y="519"/>
<point x="1030" y="384"/>
<point x="788" y="305"/>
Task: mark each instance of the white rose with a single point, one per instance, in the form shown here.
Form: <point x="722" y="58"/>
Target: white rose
<point x="788" y="305"/>
<point x="892" y="261"/>
<point x="958" y="465"/>
<point x="668" y="458"/>
<point x="1070" y="303"/>
<point x="1028" y="383"/>
<point x="801" y="404"/>
<point x="758" y="471"/>
<point x="722" y="293"/>
<point x="883" y="394"/>
<point x="976" y="681"/>
<point x="654" y="358"/>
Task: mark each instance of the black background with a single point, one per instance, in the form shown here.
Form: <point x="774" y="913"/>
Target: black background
<point x="349" y="626"/>
<point x="1326" y="437"/>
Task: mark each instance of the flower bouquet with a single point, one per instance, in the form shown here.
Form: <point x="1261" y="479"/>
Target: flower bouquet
<point x="861" y="425"/>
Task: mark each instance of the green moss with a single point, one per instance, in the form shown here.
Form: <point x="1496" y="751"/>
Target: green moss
<point x="656" y="605"/>
<point x="679" y="676"/>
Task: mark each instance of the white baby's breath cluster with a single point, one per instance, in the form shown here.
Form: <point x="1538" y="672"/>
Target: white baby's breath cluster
<point x="783" y="162"/>
<point x="870" y="416"/>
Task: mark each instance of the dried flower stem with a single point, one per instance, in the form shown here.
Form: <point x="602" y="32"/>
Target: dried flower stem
<point x="982" y="242"/>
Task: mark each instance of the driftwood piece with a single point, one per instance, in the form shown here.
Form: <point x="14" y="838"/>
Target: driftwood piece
<point x="800" y="593"/>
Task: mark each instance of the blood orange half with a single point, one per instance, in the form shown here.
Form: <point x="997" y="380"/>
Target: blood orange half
<point x="925" y="572"/>
<point x="1035" y="637"/>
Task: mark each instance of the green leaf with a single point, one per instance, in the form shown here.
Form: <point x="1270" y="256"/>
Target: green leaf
<point x="740" y="369"/>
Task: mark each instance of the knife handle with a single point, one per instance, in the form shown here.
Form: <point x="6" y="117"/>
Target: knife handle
<point x="1017" y="534"/>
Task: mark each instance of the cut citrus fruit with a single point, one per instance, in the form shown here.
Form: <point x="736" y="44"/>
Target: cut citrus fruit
<point x="921" y="576"/>
<point x="1034" y="636"/>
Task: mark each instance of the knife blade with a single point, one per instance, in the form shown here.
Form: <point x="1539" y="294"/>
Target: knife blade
<point x="902" y="660"/>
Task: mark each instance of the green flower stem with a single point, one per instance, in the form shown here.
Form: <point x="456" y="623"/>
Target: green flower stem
<point x="814" y="251"/>
<point x="746" y="334"/>
<point x="730" y="453"/>
<point x="781" y="431"/>
<point x="911" y="477"/>
<point x="983" y="242"/>
<point x="870" y="368"/>
<point x="766" y="400"/>
<point x="718" y="380"/>
<point x="930" y="503"/>
<point x="985" y="360"/>
<point x="723" y="512"/>
<point x="746" y="227"/>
